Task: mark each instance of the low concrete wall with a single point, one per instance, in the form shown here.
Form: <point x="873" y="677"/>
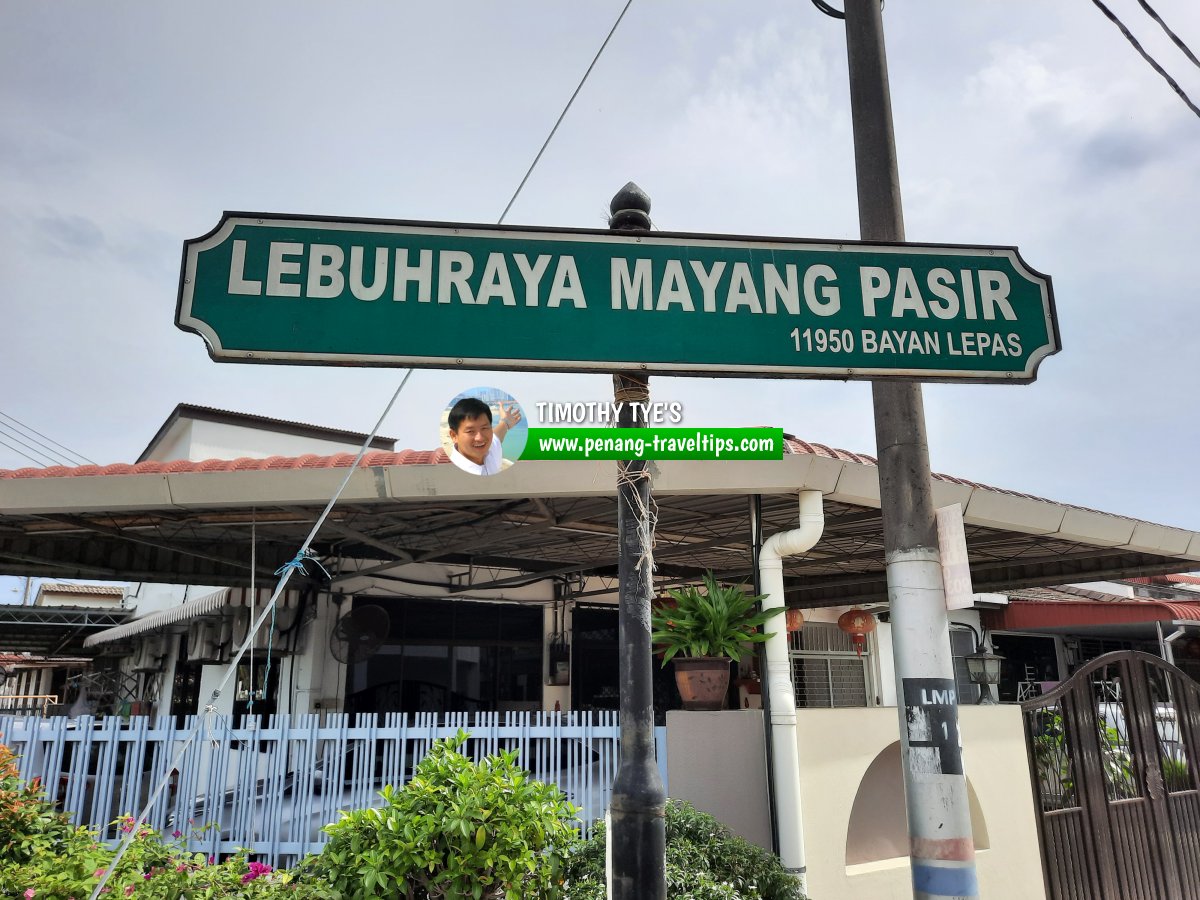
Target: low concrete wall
<point x="717" y="762"/>
<point x="852" y="792"/>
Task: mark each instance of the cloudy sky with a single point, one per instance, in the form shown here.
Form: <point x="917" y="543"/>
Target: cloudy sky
<point x="126" y="128"/>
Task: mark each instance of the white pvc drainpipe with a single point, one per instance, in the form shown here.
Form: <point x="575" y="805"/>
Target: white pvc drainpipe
<point x="785" y="767"/>
<point x="1168" y="652"/>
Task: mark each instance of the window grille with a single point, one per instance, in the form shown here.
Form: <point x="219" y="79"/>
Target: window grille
<point x="826" y="670"/>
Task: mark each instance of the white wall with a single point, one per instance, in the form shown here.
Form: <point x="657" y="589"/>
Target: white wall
<point x="838" y="748"/>
<point x="219" y="440"/>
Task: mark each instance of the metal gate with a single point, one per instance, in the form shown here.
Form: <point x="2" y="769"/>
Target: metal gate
<point x="1114" y="753"/>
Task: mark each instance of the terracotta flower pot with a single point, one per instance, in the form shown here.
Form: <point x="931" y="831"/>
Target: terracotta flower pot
<point x="703" y="681"/>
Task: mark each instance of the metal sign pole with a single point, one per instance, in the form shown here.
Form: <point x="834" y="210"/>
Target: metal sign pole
<point x="939" y="819"/>
<point x="638" y="836"/>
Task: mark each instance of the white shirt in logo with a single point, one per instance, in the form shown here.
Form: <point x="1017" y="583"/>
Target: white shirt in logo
<point x="492" y="463"/>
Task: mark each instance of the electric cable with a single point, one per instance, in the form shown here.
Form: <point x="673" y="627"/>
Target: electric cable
<point x="563" y="114"/>
<point x="285" y="572"/>
<point x="1172" y="35"/>
<point x="37" y="462"/>
<point x="5" y="415"/>
<point x="1111" y="16"/>
<point x="45" y="453"/>
<point x="832" y="12"/>
<point x="304" y="553"/>
<point x="828" y="10"/>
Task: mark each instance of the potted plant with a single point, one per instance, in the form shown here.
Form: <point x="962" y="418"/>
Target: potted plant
<point x="703" y="629"/>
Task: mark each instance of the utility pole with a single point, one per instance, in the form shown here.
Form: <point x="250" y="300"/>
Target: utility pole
<point x="638" y="836"/>
<point x="939" y="819"/>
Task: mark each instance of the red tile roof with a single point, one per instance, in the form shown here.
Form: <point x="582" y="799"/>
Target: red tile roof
<point x="792" y="444"/>
<point x="244" y="463"/>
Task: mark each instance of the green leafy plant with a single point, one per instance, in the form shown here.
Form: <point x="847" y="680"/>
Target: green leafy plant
<point x="1176" y="774"/>
<point x="44" y="857"/>
<point x="705" y="861"/>
<point x="8" y="762"/>
<point x="29" y="825"/>
<point x="458" y="829"/>
<point x="151" y="869"/>
<point x="712" y="620"/>
<point x="1056" y="769"/>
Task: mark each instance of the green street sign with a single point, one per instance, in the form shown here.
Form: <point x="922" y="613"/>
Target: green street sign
<point x="270" y="288"/>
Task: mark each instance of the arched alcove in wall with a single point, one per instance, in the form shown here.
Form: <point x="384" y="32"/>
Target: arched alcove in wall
<point x="878" y="829"/>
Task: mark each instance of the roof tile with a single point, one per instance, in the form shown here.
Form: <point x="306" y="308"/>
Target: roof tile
<point x="792" y="445"/>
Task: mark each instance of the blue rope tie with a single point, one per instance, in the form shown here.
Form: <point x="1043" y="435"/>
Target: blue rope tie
<point x="297" y="562"/>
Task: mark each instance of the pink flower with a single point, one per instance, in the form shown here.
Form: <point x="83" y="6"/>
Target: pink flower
<point x="211" y="860"/>
<point x="28" y="895"/>
<point x="98" y="873"/>
<point x="181" y="868"/>
<point x="129" y="891"/>
<point x="176" y="833"/>
<point x="256" y="869"/>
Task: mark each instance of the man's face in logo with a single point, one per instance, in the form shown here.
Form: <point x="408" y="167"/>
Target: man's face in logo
<point x="473" y="438"/>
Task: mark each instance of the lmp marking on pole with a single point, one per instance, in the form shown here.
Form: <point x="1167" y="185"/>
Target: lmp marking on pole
<point x="936" y="799"/>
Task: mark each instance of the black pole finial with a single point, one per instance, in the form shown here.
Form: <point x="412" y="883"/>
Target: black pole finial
<point x="630" y="209"/>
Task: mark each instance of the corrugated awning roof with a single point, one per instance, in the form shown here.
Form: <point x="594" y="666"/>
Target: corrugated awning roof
<point x="1024" y="615"/>
<point x="190" y="523"/>
<point x="1166" y="579"/>
<point x="209" y="603"/>
<point x="59" y="587"/>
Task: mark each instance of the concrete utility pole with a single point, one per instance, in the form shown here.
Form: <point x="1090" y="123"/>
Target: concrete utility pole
<point x="638" y="836"/>
<point x="939" y="819"/>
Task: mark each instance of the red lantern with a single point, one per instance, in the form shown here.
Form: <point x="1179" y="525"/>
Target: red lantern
<point x="857" y="623"/>
<point x="795" y="620"/>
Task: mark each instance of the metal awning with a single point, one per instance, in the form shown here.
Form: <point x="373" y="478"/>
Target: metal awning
<point x="191" y="609"/>
<point x="1074" y="615"/>
<point x="53" y="630"/>
<point x="224" y="522"/>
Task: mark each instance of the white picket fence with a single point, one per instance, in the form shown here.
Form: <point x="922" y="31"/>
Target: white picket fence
<point x="271" y="787"/>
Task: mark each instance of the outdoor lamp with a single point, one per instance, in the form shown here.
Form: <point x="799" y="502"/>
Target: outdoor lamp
<point x="983" y="668"/>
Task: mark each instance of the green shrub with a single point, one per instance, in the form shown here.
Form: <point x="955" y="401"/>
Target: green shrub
<point x="29" y="825"/>
<point x="44" y="857"/>
<point x="1176" y="774"/>
<point x="705" y="861"/>
<point x="8" y="762"/>
<point x="458" y="829"/>
<point x="151" y="870"/>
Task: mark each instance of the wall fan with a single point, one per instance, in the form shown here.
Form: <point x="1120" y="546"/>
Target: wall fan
<point x="358" y="634"/>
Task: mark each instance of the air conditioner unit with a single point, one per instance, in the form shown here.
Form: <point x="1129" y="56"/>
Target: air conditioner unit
<point x="204" y="641"/>
<point x="238" y="627"/>
<point x="150" y="654"/>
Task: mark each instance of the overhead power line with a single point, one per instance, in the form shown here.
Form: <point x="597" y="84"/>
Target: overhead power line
<point x="45" y="453"/>
<point x="1146" y="56"/>
<point x="1187" y="51"/>
<point x="41" y="463"/>
<point x="27" y="431"/>
<point x="563" y="114"/>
